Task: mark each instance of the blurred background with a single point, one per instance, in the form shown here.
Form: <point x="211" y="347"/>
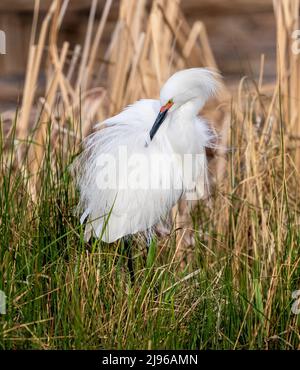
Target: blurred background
<point x="239" y="31"/>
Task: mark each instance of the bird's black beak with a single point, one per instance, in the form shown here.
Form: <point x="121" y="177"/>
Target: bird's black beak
<point x="160" y="118"/>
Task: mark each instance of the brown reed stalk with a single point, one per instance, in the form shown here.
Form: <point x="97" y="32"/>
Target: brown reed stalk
<point x="288" y="65"/>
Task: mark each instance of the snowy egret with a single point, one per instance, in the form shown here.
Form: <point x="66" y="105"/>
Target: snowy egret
<point x="143" y="160"/>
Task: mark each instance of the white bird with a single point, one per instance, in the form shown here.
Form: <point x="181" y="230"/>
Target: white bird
<point x="131" y="172"/>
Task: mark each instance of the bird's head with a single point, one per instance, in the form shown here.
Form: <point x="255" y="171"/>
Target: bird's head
<point x="194" y="85"/>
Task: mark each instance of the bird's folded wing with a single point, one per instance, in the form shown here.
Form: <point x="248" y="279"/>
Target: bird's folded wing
<point x="126" y="186"/>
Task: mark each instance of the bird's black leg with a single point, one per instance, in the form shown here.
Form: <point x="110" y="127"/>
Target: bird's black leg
<point x="128" y="249"/>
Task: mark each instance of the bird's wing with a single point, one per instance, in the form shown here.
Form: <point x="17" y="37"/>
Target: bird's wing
<point x="126" y="186"/>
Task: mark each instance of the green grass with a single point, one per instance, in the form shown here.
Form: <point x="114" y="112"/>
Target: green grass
<point x="63" y="293"/>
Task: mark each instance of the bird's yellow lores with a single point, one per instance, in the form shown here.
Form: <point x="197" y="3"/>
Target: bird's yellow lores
<point x="167" y="106"/>
<point x="143" y="160"/>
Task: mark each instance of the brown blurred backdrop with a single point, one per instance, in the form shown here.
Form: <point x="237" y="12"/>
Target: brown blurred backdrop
<point x="239" y="32"/>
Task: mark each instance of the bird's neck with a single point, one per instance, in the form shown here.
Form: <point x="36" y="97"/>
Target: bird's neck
<point x="186" y="114"/>
<point x="181" y="129"/>
<point x="191" y="108"/>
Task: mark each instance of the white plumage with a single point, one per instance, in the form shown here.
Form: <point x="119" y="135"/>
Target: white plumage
<point x="128" y="178"/>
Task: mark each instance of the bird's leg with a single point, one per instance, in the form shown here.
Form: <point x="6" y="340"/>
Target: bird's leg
<point x="128" y="249"/>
